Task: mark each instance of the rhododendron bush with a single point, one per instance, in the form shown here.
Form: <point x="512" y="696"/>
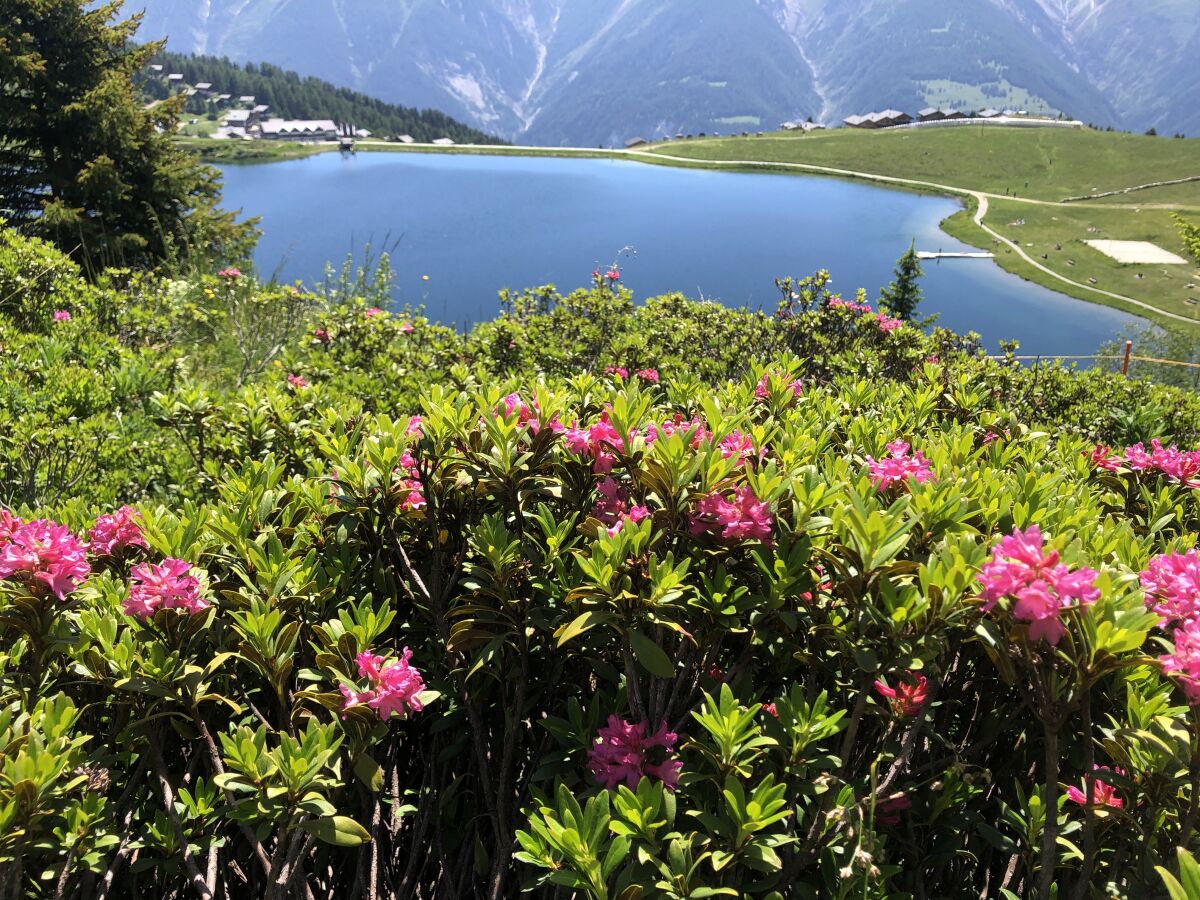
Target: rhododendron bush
<point x="805" y="605"/>
<point x="610" y="657"/>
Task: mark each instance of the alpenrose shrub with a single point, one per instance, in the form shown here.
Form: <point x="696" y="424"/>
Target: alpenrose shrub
<point x="614" y="637"/>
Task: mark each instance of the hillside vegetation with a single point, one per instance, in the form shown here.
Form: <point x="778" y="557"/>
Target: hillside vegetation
<point x="301" y="596"/>
<point x="291" y="97"/>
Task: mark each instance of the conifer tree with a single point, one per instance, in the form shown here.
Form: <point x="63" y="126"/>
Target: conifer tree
<point x="84" y="161"/>
<point x="903" y="295"/>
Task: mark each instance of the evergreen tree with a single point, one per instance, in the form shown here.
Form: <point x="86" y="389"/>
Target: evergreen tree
<point x="84" y="161"/>
<point x="903" y="295"/>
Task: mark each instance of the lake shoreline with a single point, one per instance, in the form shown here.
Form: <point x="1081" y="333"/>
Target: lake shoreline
<point x="960" y="225"/>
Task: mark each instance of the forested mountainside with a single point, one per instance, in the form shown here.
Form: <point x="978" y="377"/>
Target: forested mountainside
<point x="291" y="96"/>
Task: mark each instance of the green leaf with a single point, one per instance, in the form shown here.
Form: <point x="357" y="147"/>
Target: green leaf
<point x="341" y="831"/>
<point x="581" y="623"/>
<point x="369" y="772"/>
<point x="650" y="656"/>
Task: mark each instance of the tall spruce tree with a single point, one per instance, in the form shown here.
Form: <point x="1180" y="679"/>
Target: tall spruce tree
<point x="903" y="296"/>
<point x="83" y="162"/>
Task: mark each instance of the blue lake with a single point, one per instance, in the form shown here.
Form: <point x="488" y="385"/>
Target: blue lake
<point x="475" y="224"/>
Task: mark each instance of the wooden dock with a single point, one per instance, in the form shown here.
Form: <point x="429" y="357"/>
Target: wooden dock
<point x="938" y="254"/>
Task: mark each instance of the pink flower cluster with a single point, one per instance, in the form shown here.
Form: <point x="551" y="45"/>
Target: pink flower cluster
<point x="598" y="441"/>
<point x="1103" y="794"/>
<point x="886" y="323"/>
<point x="899" y="466"/>
<point x="908" y="697"/>
<point x="230" y="273"/>
<point x="527" y="416"/>
<point x="61" y="315"/>
<point x="374" y="311"/>
<point x="1041" y="586"/>
<point x="115" y="532"/>
<point x="1180" y="465"/>
<point x="648" y="375"/>
<point x="299" y="382"/>
<point x="700" y="432"/>
<point x="408" y="484"/>
<point x="623" y="753"/>
<point x="740" y="445"/>
<point x="613" y="507"/>
<point x="741" y="518"/>
<point x="617" y="370"/>
<point x="393" y="689"/>
<point x="164" y="586"/>
<point x="42" y="554"/>
<point x="1172" y="585"/>
<point x="763" y="390"/>
<point x="322" y="336"/>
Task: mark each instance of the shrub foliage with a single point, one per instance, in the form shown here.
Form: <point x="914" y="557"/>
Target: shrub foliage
<point x="599" y="600"/>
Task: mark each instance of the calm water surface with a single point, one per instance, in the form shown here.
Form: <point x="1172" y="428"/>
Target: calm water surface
<point x="475" y="224"/>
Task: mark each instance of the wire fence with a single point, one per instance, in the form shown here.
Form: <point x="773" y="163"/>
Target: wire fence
<point x="1125" y="359"/>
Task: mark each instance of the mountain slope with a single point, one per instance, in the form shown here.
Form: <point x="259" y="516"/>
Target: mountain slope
<point x="292" y="97"/>
<point x="586" y="72"/>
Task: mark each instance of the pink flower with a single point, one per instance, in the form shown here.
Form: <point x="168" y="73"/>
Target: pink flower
<point x="297" y="381"/>
<point x="322" y="336"/>
<point x="617" y="370"/>
<point x="393" y="689"/>
<point x="763" y="390"/>
<point x="1183" y="665"/>
<point x="1041" y="586"/>
<point x="164" y="586"/>
<point x="613" y="508"/>
<point x="650" y="375"/>
<point x="887" y="324"/>
<point x="696" y="426"/>
<point x="416" y="426"/>
<point x="115" y="532"/>
<point x="851" y="305"/>
<point x="61" y="315"/>
<point x="887" y="812"/>
<point x="408" y="485"/>
<point x="1176" y="464"/>
<point x="623" y="753"/>
<point x="716" y="673"/>
<point x="373" y="312"/>
<point x="44" y="554"/>
<point x="908" y="696"/>
<point x="1103" y="794"/>
<point x="770" y="709"/>
<point x="597" y="441"/>
<point x="406" y="327"/>
<point x="230" y="273"/>
<point x="739" y="445"/>
<point x="613" y="275"/>
<point x="1172" y="585"/>
<point x="741" y="518"/>
<point x="8" y="524"/>
<point x="899" y="466"/>
<point x="1101" y="458"/>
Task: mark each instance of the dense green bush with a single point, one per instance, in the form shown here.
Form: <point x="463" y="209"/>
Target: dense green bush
<point x="771" y="562"/>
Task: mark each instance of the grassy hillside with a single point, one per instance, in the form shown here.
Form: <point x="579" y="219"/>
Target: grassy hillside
<point x="1044" y="166"/>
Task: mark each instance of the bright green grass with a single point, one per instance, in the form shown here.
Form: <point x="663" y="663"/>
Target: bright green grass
<point x="1047" y="164"/>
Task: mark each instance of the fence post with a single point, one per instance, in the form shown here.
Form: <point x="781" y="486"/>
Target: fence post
<point x="1125" y="364"/>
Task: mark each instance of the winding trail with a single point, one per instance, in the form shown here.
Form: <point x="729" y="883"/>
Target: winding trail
<point x="981" y="198"/>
